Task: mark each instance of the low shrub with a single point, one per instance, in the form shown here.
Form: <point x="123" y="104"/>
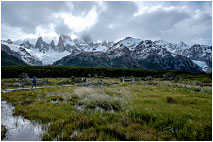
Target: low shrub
<point x="171" y="100"/>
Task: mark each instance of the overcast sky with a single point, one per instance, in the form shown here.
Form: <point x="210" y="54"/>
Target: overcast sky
<point x="190" y="22"/>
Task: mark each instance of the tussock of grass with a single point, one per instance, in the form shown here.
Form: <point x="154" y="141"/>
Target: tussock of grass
<point x="143" y="110"/>
<point x="92" y="98"/>
<point x="171" y="100"/>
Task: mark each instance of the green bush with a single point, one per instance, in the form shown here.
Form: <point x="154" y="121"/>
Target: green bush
<point x="72" y="78"/>
<point x="206" y="80"/>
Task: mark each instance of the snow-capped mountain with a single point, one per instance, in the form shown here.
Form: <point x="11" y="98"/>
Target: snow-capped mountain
<point x="48" y="56"/>
<point x="9" y="41"/>
<point x="132" y="53"/>
<point x="42" y="45"/>
<point x="67" y="44"/>
<point x="128" y="42"/>
<point x="201" y="55"/>
<point x="49" y="53"/>
<point x="52" y="45"/>
<point x="172" y="47"/>
<point x="27" y="44"/>
<point x="20" y="52"/>
<point x="137" y="53"/>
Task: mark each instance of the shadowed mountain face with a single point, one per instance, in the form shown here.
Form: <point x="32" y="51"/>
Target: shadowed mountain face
<point x="41" y="45"/>
<point x="127" y="53"/>
<point x="143" y="55"/>
<point x="9" y="60"/>
<point x="20" y="53"/>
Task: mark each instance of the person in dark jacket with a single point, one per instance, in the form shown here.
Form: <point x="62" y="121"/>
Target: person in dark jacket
<point x="84" y="79"/>
<point x="34" y="81"/>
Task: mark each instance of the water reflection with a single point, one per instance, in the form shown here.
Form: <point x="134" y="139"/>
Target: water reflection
<point x="17" y="127"/>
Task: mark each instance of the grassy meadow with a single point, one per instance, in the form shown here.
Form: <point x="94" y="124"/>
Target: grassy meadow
<point x="107" y="109"/>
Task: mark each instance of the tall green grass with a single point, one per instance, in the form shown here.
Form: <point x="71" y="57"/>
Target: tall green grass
<point x="150" y="110"/>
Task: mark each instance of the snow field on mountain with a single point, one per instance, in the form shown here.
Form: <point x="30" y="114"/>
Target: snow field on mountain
<point x="137" y="48"/>
<point x="131" y="43"/>
<point x="26" y="57"/>
<point x="11" y="46"/>
<point x="49" y="56"/>
<point x="100" y="48"/>
<point x="201" y="64"/>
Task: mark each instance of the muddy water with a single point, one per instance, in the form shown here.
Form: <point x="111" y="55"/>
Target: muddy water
<point x="18" y="128"/>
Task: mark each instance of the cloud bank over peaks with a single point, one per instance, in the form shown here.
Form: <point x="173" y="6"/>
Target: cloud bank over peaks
<point x="190" y="22"/>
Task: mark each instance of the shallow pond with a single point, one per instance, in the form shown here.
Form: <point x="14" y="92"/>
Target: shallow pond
<point x="19" y="128"/>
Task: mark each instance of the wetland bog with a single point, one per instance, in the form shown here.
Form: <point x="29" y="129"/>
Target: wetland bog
<point x="108" y="109"/>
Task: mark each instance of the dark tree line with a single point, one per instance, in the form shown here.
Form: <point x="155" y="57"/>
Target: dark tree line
<point x="64" y="71"/>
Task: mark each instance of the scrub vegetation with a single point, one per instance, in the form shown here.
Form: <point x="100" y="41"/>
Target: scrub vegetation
<point x="108" y="109"/>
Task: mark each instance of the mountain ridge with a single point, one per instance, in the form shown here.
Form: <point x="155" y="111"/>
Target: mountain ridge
<point x="142" y="56"/>
<point x="131" y="48"/>
<point x="9" y="60"/>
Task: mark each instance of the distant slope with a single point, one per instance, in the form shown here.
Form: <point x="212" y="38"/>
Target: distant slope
<point x="126" y="53"/>
<point x="8" y="60"/>
<point x="20" y="52"/>
<point x="143" y="54"/>
<point x="124" y="60"/>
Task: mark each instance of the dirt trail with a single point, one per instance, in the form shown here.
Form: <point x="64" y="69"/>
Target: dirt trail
<point x="23" y="89"/>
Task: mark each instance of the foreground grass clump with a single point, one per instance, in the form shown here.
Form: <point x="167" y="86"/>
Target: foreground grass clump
<point x="143" y="110"/>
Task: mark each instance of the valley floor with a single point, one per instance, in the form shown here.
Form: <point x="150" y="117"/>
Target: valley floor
<point x="108" y="109"/>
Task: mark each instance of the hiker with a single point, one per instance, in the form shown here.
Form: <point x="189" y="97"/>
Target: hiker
<point x="34" y="82"/>
<point x="84" y="79"/>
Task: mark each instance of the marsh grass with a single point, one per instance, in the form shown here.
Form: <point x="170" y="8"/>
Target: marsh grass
<point x="143" y="110"/>
<point x="17" y="82"/>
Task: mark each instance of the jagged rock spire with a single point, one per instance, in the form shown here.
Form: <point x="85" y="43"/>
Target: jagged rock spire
<point x="41" y="45"/>
<point x="27" y="44"/>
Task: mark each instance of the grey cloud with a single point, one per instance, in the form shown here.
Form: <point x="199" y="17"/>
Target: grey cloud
<point x="116" y="14"/>
<point x="154" y="25"/>
<point x="193" y="29"/>
<point x="119" y="10"/>
<point x="61" y="28"/>
<point x="81" y="7"/>
<point x="117" y="20"/>
<point x="28" y="15"/>
<point x="86" y="37"/>
<point x="144" y="26"/>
